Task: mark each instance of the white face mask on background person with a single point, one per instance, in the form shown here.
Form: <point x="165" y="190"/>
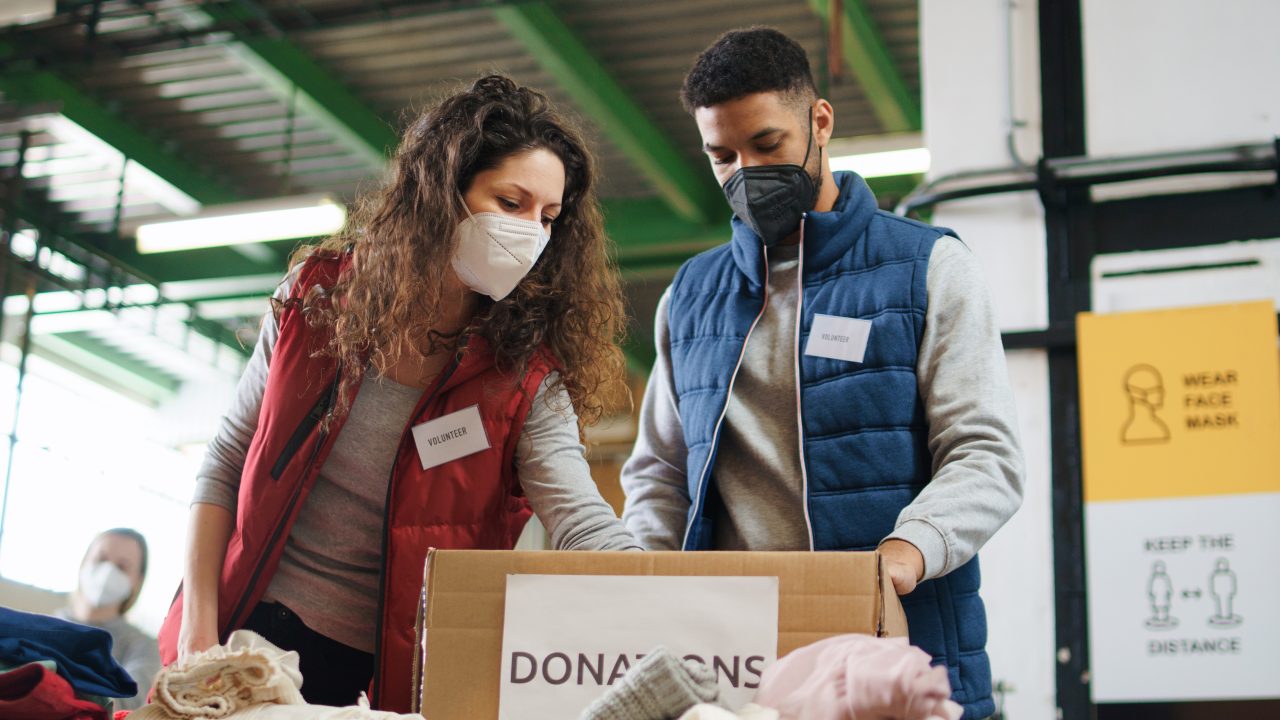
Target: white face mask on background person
<point x="103" y="584"/>
<point x="496" y="251"/>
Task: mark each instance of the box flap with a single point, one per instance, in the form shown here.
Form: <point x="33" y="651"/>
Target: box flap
<point x="419" y="625"/>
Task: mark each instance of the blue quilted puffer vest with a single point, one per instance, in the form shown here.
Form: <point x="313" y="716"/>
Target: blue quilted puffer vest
<point x="864" y="443"/>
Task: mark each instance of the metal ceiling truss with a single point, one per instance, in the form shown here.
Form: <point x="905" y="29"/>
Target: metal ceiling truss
<point x="688" y="192"/>
<point x="102" y="272"/>
<point x="294" y="77"/>
<point x="690" y="208"/>
<point x="868" y="59"/>
<point x="293" y="17"/>
<point x="652" y="234"/>
<point x="41" y="86"/>
<point x="61" y="259"/>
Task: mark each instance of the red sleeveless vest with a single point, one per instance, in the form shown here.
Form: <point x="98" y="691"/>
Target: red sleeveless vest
<point x="474" y="502"/>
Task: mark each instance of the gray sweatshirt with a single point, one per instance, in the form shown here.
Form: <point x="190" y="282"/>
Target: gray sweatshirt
<point x="964" y="385"/>
<point x="328" y="573"/>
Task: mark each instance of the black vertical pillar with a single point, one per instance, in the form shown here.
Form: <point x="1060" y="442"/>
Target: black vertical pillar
<point x="1070" y="247"/>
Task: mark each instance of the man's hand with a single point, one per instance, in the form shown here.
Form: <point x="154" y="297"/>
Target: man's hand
<point x="904" y="563"/>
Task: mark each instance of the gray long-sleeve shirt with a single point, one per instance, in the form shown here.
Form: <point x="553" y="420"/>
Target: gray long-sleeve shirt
<point x="964" y="385"/>
<point x="328" y="573"/>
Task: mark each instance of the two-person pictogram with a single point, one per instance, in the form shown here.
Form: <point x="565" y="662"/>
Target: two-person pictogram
<point x="1222" y="588"/>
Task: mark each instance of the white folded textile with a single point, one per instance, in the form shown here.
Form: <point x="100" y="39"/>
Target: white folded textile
<point x="316" y="712"/>
<point x="246" y="679"/>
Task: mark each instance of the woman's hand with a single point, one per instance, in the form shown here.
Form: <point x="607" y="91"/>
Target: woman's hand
<point x="207" y="537"/>
<point x="196" y="636"/>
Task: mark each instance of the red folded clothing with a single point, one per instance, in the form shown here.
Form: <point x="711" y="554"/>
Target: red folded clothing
<point x="32" y="692"/>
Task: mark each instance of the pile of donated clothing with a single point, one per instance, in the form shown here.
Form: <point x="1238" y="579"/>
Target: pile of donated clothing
<point x="54" y="669"/>
<point x="57" y="670"/>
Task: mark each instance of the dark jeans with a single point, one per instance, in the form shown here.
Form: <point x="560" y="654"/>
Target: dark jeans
<point x="332" y="673"/>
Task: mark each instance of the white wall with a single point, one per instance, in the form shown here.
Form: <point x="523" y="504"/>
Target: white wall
<point x="966" y="116"/>
<point x="28" y="598"/>
<point x="98" y="475"/>
<point x="1176" y="74"/>
<point x="1161" y="75"/>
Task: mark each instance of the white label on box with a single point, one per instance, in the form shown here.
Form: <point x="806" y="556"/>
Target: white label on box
<point x="838" y="338"/>
<point x="567" y="638"/>
<point x="1182" y="598"/>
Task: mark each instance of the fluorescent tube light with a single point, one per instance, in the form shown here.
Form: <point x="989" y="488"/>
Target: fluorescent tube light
<point x="913" y="161"/>
<point x="243" y="223"/>
<point x="25" y="12"/>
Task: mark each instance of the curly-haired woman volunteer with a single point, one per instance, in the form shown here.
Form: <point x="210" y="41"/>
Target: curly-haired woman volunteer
<point x="421" y="382"/>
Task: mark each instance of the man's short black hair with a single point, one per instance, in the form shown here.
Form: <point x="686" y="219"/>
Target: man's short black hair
<point x="744" y="62"/>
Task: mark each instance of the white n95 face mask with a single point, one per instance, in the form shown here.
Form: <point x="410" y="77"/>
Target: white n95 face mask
<point x="103" y="584"/>
<point x="496" y="251"/>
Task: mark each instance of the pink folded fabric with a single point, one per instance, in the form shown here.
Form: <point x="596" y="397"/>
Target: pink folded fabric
<point x="858" y="677"/>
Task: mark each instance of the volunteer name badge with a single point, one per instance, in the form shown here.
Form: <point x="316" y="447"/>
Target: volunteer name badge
<point x="838" y="338"/>
<point x="448" y="438"/>
<point x="1180" y="417"/>
<point x="567" y="638"/>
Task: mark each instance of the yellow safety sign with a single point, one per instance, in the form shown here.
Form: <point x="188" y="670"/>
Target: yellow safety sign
<point x="1180" y="403"/>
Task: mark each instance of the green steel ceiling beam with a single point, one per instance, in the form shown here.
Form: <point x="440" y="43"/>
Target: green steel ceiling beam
<point x="160" y="267"/>
<point x="896" y="185"/>
<point x="868" y="58"/>
<point x="688" y="192"/>
<point x="638" y="223"/>
<point x="131" y="264"/>
<point x="640" y="356"/>
<point x="47" y="87"/>
<point x="208" y="263"/>
<point x="220" y="334"/>
<point x="285" y="68"/>
<point x="83" y="353"/>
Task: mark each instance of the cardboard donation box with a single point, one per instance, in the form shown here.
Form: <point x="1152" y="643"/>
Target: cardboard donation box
<point x="541" y="634"/>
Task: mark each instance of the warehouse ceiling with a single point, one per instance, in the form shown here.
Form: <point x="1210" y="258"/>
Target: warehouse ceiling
<point x="127" y="111"/>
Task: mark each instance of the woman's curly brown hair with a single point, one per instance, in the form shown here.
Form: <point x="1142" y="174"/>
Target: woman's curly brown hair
<point x="402" y="239"/>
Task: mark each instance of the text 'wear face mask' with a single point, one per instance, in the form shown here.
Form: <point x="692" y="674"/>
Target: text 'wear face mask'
<point x="103" y="584"/>
<point x="496" y="251"/>
<point x="771" y="199"/>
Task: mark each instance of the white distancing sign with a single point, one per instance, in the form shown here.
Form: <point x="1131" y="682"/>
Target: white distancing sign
<point x="1183" y="604"/>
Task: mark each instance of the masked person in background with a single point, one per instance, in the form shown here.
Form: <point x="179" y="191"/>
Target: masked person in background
<point x="422" y="381"/>
<point x="111" y="576"/>
<point x="833" y="377"/>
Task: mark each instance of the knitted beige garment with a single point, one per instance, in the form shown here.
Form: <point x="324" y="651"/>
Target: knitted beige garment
<point x="246" y="679"/>
<point x="225" y="679"/>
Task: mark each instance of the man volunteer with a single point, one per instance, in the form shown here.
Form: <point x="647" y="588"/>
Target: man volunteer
<point x="833" y="378"/>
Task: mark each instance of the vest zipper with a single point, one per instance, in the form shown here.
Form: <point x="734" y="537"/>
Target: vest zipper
<point x="715" y="435"/>
<point x="325" y="404"/>
<point x="804" y="472"/>
<point x="300" y="435"/>
<point x="376" y="688"/>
